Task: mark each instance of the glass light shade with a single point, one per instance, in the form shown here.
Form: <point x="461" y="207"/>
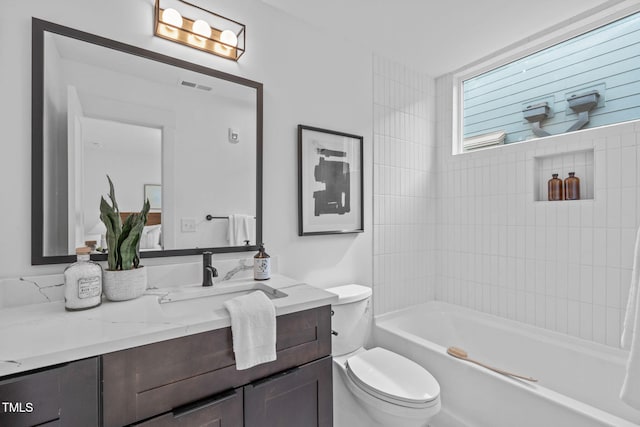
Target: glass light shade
<point x="229" y="37"/>
<point x="201" y="28"/>
<point x="172" y="17"/>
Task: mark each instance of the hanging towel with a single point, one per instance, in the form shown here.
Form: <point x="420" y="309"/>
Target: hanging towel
<point x="630" y="392"/>
<point x="241" y="228"/>
<point x="253" y="328"/>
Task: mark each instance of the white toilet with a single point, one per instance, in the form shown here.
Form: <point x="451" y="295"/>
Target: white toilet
<point x="389" y="388"/>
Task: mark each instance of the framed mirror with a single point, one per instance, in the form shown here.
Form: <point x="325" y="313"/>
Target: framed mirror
<point x="187" y="137"/>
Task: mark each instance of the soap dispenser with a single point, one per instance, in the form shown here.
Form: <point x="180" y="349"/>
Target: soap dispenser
<point x="261" y="264"/>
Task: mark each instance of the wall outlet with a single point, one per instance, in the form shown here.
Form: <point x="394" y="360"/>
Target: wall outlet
<point x="188" y="225"/>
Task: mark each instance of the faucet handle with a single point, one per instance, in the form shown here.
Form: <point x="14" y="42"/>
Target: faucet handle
<point x="214" y="271"/>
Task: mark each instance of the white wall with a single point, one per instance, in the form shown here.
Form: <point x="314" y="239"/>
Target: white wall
<point x="405" y="187"/>
<point x="309" y="78"/>
<point x="564" y="266"/>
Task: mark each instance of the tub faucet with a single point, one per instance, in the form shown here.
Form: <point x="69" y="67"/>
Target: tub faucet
<point x="208" y="270"/>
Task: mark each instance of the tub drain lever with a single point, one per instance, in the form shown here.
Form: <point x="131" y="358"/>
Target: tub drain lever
<point x="461" y="354"/>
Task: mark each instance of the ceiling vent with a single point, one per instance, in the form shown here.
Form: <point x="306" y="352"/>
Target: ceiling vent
<point x="195" y="85"/>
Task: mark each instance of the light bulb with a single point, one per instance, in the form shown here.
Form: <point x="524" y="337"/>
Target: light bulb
<point x="172" y="17"/>
<point x="201" y="28"/>
<point x="229" y="37"/>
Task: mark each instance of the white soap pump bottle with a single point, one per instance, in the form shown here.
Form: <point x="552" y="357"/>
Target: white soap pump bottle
<point x="261" y="264"/>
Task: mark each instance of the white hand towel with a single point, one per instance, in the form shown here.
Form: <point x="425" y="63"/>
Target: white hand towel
<point x="241" y="228"/>
<point x="630" y="392"/>
<point x="253" y="327"/>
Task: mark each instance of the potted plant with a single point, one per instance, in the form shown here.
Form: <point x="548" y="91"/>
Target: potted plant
<point x="124" y="277"/>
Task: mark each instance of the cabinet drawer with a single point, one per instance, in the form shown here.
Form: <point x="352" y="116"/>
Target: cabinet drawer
<point x="64" y="395"/>
<point x="141" y="382"/>
<point x="224" y="409"/>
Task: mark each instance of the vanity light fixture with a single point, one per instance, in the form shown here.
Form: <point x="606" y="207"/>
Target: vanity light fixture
<point x="203" y="30"/>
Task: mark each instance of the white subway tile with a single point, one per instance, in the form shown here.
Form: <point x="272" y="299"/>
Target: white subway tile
<point x="586" y="284"/>
<point x="573" y="282"/>
<point x="562" y="323"/>
<point x="541" y="311"/>
<point x="614" y="205"/>
<point x="613" y="168"/>
<point x="628" y="167"/>
<point x="628" y="207"/>
<point x="613" y="287"/>
<point x="599" y="246"/>
<point x="613" y="247"/>
<point x="599" y="324"/>
<point x="613" y="327"/>
<point x="573" y="318"/>
<point x="586" y="321"/>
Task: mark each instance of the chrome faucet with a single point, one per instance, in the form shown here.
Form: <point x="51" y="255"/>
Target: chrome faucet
<point x="208" y="270"/>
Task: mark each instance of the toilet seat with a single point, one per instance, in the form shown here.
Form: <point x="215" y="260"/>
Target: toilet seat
<point x="393" y="378"/>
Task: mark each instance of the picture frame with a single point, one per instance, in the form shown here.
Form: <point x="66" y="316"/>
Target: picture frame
<point x="330" y="182"/>
<point x="153" y="192"/>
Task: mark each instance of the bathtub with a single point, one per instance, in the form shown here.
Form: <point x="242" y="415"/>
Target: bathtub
<point x="578" y="380"/>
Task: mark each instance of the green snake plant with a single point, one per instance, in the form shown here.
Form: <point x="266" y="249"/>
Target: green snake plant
<point x="123" y="239"/>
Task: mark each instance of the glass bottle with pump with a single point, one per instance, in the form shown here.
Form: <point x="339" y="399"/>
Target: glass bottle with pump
<point x="82" y="282"/>
<point x="554" y="188"/>
<point x="572" y="187"/>
<point x="261" y="264"/>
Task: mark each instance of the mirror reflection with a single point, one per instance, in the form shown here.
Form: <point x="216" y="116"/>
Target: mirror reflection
<point x="186" y="140"/>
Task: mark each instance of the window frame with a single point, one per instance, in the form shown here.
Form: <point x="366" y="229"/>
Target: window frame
<point x="563" y="31"/>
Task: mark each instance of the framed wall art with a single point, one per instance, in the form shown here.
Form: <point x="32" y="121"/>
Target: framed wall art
<point x="330" y="181"/>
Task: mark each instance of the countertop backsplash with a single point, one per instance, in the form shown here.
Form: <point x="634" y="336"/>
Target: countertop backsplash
<point x="27" y="290"/>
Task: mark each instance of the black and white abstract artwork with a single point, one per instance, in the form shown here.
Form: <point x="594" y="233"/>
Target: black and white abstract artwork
<point x="330" y="181"/>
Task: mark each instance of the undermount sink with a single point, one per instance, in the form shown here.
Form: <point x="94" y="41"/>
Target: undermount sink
<point x="218" y="293"/>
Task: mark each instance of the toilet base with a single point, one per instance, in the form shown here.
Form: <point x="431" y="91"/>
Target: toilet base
<point x="355" y="408"/>
<point x="346" y="411"/>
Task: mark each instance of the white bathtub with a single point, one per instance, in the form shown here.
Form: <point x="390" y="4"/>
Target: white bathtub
<point x="578" y="381"/>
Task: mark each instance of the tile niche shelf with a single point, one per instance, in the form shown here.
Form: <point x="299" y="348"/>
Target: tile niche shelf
<point x="579" y="161"/>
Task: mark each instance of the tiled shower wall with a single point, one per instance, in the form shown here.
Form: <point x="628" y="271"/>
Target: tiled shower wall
<point x="565" y="266"/>
<point x="404" y="186"/>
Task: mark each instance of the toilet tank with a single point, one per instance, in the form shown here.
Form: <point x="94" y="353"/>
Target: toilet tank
<point x="351" y="318"/>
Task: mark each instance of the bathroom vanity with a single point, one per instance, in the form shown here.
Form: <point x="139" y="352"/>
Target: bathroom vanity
<point x="137" y="363"/>
<point x="156" y="381"/>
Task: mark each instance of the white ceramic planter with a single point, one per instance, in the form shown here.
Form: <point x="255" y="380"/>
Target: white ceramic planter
<point x="124" y="284"/>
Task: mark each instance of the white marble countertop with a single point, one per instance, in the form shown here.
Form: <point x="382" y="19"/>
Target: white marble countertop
<point x="40" y="335"/>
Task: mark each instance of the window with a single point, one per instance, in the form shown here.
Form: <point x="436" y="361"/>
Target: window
<point x="587" y="81"/>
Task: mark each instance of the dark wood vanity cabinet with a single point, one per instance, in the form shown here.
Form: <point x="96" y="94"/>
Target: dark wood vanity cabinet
<point x="192" y="380"/>
<point x="64" y="395"/>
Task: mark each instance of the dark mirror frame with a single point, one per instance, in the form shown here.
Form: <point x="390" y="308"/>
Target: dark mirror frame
<point x="38" y="29"/>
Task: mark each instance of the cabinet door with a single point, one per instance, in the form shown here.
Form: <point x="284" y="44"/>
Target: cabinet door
<point x="66" y="395"/>
<point x="223" y="410"/>
<point x="297" y="397"/>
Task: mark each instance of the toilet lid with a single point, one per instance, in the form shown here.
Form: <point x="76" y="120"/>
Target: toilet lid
<point x="392" y="377"/>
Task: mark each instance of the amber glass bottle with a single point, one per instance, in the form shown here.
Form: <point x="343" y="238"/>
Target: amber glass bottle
<point x="555" y="188"/>
<point x="572" y="187"/>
